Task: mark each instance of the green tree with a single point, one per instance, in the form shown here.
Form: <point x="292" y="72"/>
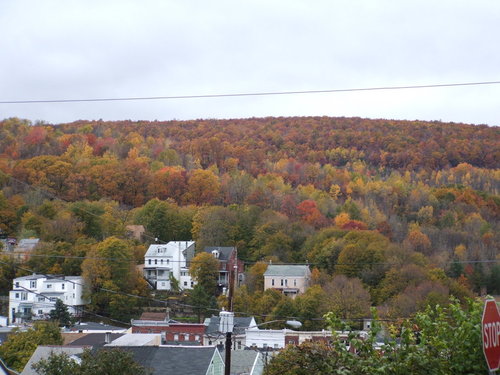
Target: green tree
<point x="104" y="361"/>
<point x="90" y="215"/>
<point x="110" y="274"/>
<point x="438" y="341"/>
<point x="202" y="302"/>
<point x="204" y="269"/>
<point x="57" y="364"/>
<point x="60" y="314"/>
<point x="166" y="221"/>
<point x="8" y="267"/>
<point x="305" y="359"/>
<point x="20" y="345"/>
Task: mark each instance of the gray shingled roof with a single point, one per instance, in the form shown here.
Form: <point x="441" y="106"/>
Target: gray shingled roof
<point x="43" y="352"/>
<point x="286" y="270"/>
<point x="171" y="360"/>
<point x="224" y="252"/>
<point x="95" y="339"/>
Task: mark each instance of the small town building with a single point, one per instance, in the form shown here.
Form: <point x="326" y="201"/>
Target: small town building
<point x="168" y="262"/>
<point x="228" y="261"/>
<point x="33" y="297"/>
<point x="291" y="280"/>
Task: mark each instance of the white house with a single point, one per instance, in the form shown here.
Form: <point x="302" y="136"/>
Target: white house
<point x="33" y="297"/>
<point x="161" y="262"/>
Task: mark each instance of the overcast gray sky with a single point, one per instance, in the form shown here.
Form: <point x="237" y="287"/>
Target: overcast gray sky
<point x="109" y="49"/>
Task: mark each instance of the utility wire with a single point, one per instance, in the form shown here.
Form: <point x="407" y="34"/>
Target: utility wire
<point x="31" y="254"/>
<point x="81" y="308"/>
<point x="268" y="93"/>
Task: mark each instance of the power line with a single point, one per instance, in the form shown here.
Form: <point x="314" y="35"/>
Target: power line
<point x="31" y="254"/>
<point x="229" y="95"/>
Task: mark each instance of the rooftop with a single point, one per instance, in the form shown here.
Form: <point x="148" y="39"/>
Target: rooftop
<point x="192" y="360"/>
<point x="224" y="252"/>
<point x="287" y="270"/>
<point x="167" y="250"/>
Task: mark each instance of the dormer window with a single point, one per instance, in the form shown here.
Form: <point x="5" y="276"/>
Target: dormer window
<point x="215" y="254"/>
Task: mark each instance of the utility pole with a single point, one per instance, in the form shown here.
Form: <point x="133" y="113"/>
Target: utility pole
<point x="233" y="272"/>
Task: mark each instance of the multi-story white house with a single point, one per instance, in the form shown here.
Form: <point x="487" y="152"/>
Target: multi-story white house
<point x="33" y="297"/>
<point x="163" y="262"/>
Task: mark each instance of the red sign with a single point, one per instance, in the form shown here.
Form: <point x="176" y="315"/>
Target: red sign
<point x="491" y="334"/>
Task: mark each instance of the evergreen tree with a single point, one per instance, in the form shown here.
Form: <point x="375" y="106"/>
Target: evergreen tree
<point x="60" y="314"/>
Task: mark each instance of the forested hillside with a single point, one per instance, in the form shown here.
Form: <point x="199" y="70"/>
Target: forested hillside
<point x="402" y="213"/>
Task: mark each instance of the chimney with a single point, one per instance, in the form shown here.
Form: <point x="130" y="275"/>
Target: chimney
<point x="107" y="338"/>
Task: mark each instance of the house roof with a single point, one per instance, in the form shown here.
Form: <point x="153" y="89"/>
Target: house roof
<point x="93" y="326"/>
<point x="224" y="252"/>
<point x="154" y="316"/>
<point x="43" y="352"/>
<point x="52" y="278"/>
<point x="28" y="242"/>
<point x="240" y="324"/>
<point x="137" y="339"/>
<point x="167" y="250"/>
<point x="287" y="270"/>
<point x="95" y="339"/>
<point x="246" y="362"/>
<point x="173" y="360"/>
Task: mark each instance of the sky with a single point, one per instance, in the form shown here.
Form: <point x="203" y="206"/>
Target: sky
<point x="84" y="49"/>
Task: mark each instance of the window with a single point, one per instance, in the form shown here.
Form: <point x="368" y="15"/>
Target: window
<point x="74" y="286"/>
<point x="40" y="312"/>
<point x="24" y="296"/>
<point x="161" y="261"/>
<point x="186" y="337"/>
<point x="17" y="295"/>
<point x="239" y="345"/>
<point x="275" y="346"/>
<point x="197" y="337"/>
<point x="168" y="261"/>
<point x="149" y="261"/>
<point x="185" y="283"/>
<point x="264" y="346"/>
<point x="176" y="337"/>
<point x="17" y="284"/>
<point x="294" y="282"/>
<point x="272" y="282"/>
<point x="33" y="284"/>
<point x="156" y="261"/>
<point x="281" y="282"/>
<point x="49" y="286"/>
<point x="62" y="286"/>
<point x="286" y="282"/>
<point x="41" y="299"/>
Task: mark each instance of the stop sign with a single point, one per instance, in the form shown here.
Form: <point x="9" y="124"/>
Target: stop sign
<point x="491" y="334"/>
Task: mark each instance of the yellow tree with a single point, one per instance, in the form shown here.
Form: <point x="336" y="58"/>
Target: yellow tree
<point x="203" y="187"/>
<point x="204" y="269"/>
